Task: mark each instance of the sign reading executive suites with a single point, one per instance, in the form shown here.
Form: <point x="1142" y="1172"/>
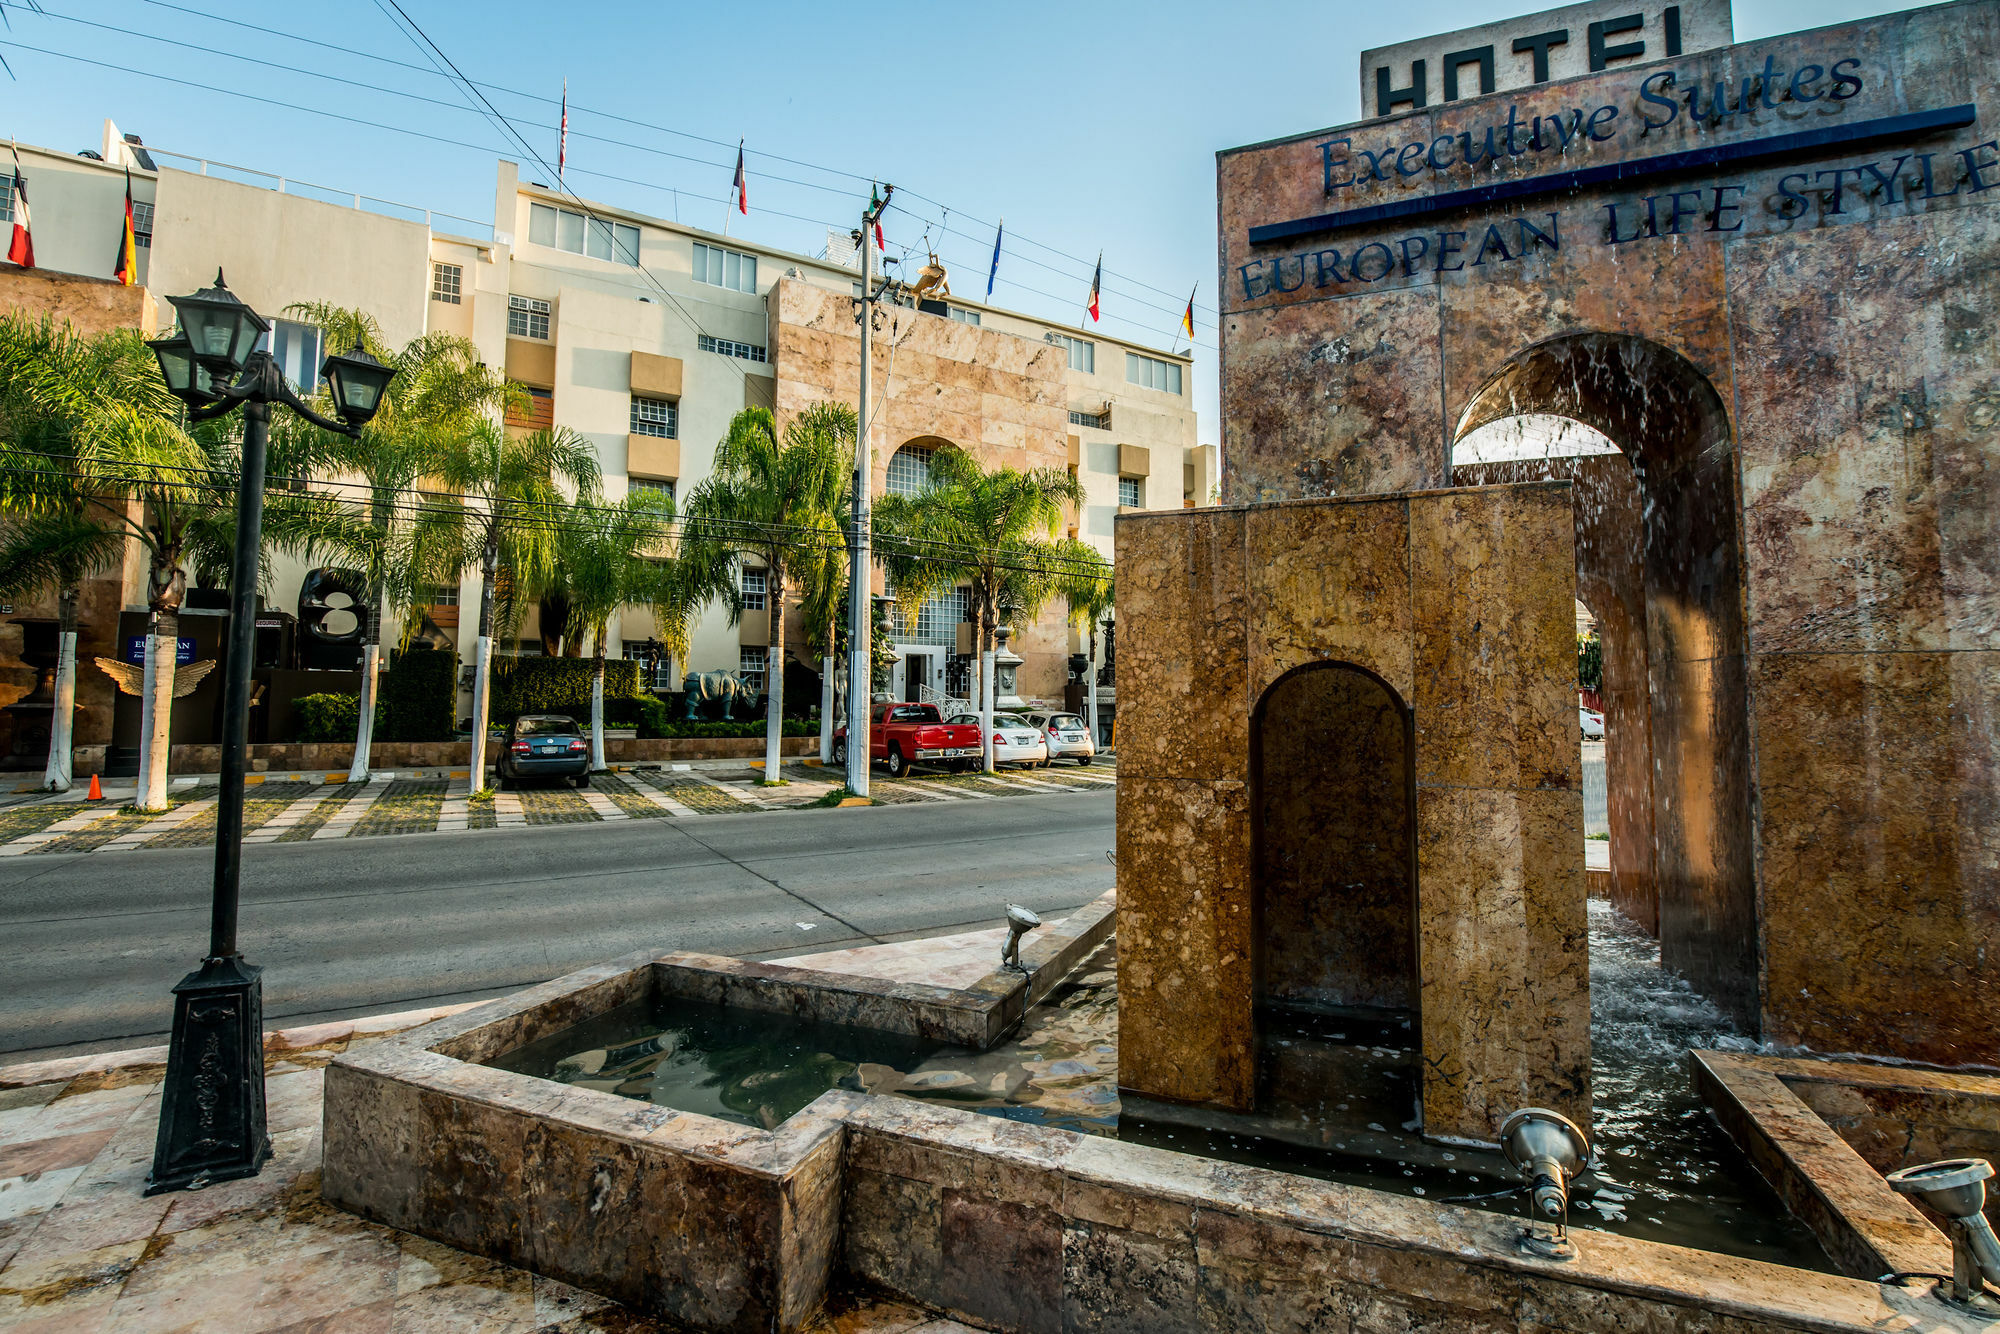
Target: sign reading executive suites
<point x="1808" y="129"/>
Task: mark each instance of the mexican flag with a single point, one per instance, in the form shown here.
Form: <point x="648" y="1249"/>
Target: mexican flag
<point x="21" y="247"/>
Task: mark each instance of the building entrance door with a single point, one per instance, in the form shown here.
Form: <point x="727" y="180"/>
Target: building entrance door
<point x="916" y="675"/>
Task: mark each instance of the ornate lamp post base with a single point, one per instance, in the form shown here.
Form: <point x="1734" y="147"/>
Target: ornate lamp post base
<point x="212" y="1125"/>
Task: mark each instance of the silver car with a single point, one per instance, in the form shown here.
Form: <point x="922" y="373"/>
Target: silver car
<point x="1068" y="736"/>
<point x="1015" y="741"/>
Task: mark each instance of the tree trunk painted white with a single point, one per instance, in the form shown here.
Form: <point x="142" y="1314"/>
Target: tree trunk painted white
<point x="826" y="710"/>
<point x="482" y="664"/>
<point x="364" y="727"/>
<point x="56" y="778"/>
<point x="774" y="679"/>
<point x="1092" y="683"/>
<point x="597" y="764"/>
<point x="156" y="711"/>
<point x="986" y="708"/>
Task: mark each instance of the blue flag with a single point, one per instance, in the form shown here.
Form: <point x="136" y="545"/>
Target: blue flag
<point x="993" y="272"/>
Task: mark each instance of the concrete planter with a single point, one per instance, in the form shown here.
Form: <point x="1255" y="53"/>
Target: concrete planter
<point x="307" y="755"/>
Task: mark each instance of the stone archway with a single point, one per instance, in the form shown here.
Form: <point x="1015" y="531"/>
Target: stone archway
<point x="1659" y="549"/>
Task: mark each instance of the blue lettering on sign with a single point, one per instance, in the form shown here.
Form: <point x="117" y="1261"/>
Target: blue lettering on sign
<point x="135" y="649"/>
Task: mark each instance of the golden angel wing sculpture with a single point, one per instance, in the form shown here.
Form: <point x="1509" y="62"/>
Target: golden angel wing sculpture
<point x="131" y="677"/>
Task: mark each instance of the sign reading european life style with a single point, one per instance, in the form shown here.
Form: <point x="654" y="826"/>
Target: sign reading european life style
<point x="1669" y="150"/>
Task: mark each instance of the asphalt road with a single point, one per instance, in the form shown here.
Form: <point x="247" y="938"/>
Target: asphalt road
<point x="94" y="942"/>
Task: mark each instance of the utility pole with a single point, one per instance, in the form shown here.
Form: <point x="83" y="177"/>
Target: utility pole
<point x="860" y="618"/>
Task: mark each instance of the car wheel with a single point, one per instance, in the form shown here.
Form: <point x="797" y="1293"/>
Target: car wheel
<point x="840" y="752"/>
<point x="503" y="782"/>
<point x="1082" y="760"/>
<point x="897" y="768"/>
<point x="581" y="780"/>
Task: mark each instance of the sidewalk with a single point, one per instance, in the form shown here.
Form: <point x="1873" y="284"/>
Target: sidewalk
<point x="83" y="1251"/>
<point x="289" y="808"/>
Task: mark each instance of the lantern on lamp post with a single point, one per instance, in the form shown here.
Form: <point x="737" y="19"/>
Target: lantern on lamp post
<point x="212" y="1122"/>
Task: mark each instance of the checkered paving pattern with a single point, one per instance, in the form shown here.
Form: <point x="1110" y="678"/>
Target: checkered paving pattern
<point x="297" y="811"/>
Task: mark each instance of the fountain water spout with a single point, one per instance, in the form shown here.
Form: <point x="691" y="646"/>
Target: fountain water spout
<point x="1020" y="921"/>
<point x="1549" y="1150"/>
<point x="1956" y="1188"/>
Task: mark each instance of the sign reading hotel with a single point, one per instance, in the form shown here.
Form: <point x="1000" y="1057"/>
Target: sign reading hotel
<point x="1796" y="132"/>
<point x="1519" y="53"/>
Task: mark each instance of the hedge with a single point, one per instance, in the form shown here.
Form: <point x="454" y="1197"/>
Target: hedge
<point x="328" y="717"/>
<point x="418" y="698"/>
<point x="562" y="685"/>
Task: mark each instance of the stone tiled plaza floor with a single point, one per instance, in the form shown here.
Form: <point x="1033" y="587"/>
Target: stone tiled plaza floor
<point x="296" y="808"/>
<point x="84" y="1251"/>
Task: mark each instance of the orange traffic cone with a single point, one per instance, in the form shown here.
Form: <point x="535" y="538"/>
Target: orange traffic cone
<point x="96" y="789"/>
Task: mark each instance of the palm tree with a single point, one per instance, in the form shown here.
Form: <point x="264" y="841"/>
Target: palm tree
<point x="992" y="530"/>
<point x="821" y="576"/>
<point x="608" y="557"/>
<point x="779" y="502"/>
<point x="57" y="549"/>
<point x="514" y="482"/>
<point x="440" y="389"/>
<point x="114" y="447"/>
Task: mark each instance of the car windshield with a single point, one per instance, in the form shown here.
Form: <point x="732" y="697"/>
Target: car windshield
<point x="546" y="727"/>
<point x="964" y="718"/>
<point x="914" y="713"/>
<point x="1010" y="720"/>
<point x="1066" y="721"/>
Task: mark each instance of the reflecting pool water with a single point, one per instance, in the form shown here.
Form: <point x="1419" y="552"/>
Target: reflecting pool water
<point x="1664" y="1170"/>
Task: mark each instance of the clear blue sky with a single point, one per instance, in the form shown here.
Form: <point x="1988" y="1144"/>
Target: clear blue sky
<point x="1088" y="126"/>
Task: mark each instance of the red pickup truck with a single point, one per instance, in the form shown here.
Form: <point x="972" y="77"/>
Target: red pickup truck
<point x="900" y="735"/>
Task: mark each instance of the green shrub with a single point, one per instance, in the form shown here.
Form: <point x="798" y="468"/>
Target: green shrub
<point x="327" y="717"/>
<point x="419" y="697"/>
<point x="1589" y="662"/>
<point x="663" y="719"/>
<point x="562" y="685"/>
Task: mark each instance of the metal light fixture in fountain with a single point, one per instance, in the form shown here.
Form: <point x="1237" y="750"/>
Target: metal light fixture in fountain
<point x="1549" y="1150"/>
<point x="1020" y="921"/>
<point x="1956" y="1188"/>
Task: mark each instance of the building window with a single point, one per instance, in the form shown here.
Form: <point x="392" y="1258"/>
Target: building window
<point x="909" y="470"/>
<point x="663" y="673"/>
<point x="725" y="268"/>
<point x="964" y="316"/>
<point x="750" y="665"/>
<point x="1097" y="421"/>
<point x="1131" y="491"/>
<point x="938" y="619"/>
<point x="599" y="238"/>
<point x="445" y="279"/>
<point x="142" y="225"/>
<point x="541" y="413"/>
<point x="1152" y="373"/>
<point x="527" y="317"/>
<point x="1082" y="352"/>
<point x="655" y="416"/>
<point x="442" y="596"/>
<point x="298" y="349"/>
<point x="753" y="590"/>
<point x="727" y="348"/>
<point x="651" y="488"/>
<point x="7" y="200"/>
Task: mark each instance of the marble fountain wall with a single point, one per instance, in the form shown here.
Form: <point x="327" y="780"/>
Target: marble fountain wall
<point x="1793" y="340"/>
<point x="1442" y="623"/>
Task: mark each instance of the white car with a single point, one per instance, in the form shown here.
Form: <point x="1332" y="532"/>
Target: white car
<point x="1068" y="736"/>
<point x="1015" y="741"/>
<point x="1593" y="724"/>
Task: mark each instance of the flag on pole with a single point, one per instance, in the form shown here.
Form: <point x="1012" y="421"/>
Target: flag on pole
<point x="126" y="268"/>
<point x="742" y="183"/>
<point x="1187" y="316"/>
<point x="562" y="145"/>
<point x="1096" y="282"/>
<point x="21" y="246"/>
<point x="994" y="272"/>
<point x="875" y="206"/>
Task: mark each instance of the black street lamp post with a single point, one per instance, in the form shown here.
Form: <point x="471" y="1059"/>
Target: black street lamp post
<point x="212" y="1123"/>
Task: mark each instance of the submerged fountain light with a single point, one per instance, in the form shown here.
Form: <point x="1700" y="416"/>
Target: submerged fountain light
<point x="1956" y="1188"/>
<point x="1020" y="921"/>
<point x="1549" y="1150"/>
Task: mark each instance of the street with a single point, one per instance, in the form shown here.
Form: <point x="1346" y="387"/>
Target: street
<point x="377" y="924"/>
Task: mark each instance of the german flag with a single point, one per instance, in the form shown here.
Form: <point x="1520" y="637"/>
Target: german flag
<point x="1187" y="316"/>
<point x="126" y="269"/>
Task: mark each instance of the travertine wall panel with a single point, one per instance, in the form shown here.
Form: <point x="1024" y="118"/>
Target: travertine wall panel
<point x="1464" y="597"/>
<point x="1797" y="351"/>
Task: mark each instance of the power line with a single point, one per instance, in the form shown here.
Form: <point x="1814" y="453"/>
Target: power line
<point x="669" y="130"/>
